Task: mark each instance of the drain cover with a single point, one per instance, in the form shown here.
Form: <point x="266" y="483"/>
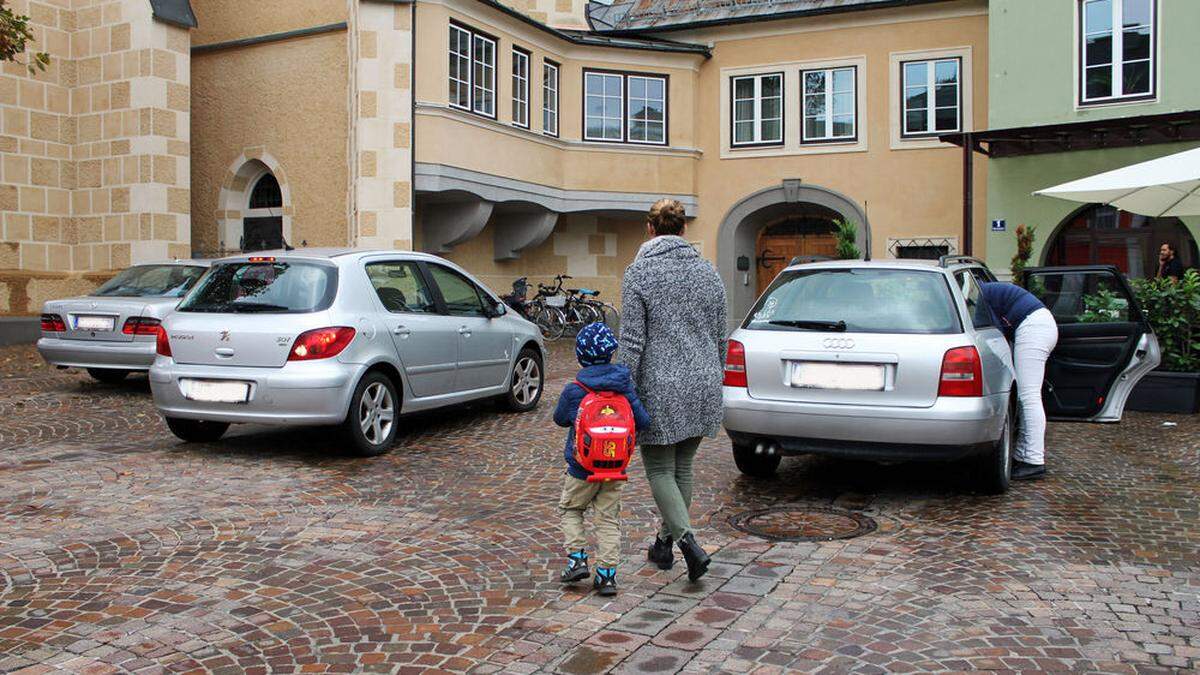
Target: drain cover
<point x="803" y="523"/>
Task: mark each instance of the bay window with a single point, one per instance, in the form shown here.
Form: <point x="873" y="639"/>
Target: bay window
<point x="472" y="84"/>
<point x="550" y="98"/>
<point x="520" y="87"/>
<point x="625" y="107"/>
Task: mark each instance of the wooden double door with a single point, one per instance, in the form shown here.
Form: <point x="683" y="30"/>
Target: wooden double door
<point x="779" y="242"/>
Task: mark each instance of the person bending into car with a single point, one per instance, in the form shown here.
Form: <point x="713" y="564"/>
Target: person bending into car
<point x="1031" y="329"/>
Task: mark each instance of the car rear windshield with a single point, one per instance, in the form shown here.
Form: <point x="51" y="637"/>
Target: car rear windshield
<point x="857" y="301"/>
<point x="170" y="281"/>
<point x="264" y="287"/>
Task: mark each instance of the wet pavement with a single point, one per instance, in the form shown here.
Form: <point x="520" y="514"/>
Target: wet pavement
<point x="123" y="550"/>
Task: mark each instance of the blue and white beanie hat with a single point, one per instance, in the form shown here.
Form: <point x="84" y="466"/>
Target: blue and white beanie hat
<point x="595" y="344"/>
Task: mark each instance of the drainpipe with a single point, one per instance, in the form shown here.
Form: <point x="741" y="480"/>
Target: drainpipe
<point x="968" y="191"/>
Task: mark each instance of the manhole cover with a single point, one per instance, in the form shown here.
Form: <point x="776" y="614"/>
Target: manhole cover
<point x="803" y="523"/>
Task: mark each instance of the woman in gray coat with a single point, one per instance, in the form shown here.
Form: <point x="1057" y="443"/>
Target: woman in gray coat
<point x="673" y="340"/>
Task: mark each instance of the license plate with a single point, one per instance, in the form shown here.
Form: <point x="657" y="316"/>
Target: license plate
<point x="847" y="376"/>
<point x="222" y="391"/>
<point x="104" y="323"/>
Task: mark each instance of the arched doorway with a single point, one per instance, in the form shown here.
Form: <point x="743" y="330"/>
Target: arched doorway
<point x="1099" y="234"/>
<point x="262" y="224"/>
<point x="809" y="231"/>
<point x="794" y="206"/>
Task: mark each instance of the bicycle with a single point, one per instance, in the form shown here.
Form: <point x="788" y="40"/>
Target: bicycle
<point x="549" y="319"/>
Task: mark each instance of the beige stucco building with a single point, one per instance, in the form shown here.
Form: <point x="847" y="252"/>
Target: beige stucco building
<point x="518" y="139"/>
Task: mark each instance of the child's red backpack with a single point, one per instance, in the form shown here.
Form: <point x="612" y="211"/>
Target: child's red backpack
<point x="604" y="435"/>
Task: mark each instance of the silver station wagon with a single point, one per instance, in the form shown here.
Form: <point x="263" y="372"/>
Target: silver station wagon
<point x="112" y="331"/>
<point x="338" y="337"/>
<point x="899" y="360"/>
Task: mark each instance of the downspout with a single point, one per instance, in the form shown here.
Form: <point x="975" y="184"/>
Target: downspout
<point x="352" y="111"/>
<point x="412" y="125"/>
<point x="968" y="188"/>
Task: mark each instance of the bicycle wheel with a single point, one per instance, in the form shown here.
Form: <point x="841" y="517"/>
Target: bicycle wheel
<point x="611" y="316"/>
<point x="550" y="321"/>
<point x="589" y="313"/>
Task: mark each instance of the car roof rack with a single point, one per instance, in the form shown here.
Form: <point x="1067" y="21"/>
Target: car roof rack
<point x="947" y="260"/>
<point x="802" y="259"/>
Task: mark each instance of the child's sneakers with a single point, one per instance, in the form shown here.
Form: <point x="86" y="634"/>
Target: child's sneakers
<point x="577" y="568"/>
<point x="605" y="582"/>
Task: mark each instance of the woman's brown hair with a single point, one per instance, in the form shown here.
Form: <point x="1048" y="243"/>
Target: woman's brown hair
<point x="666" y="217"/>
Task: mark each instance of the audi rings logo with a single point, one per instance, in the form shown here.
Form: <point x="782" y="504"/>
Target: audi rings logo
<point x="838" y="343"/>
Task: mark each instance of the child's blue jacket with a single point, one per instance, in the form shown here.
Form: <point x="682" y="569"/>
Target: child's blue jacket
<point x="604" y="377"/>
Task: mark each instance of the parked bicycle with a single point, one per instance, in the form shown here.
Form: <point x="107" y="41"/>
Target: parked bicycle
<point x="543" y="310"/>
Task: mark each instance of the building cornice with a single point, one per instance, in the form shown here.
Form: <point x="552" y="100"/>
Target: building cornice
<point x="270" y="37"/>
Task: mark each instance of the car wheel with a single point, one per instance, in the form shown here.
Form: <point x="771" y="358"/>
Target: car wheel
<point x="107" y="375"/>
<point x="528" y="379"/>
<point x="197" y="431"/>
<point x="995" y="467"/>
<point x="753" y="464"/>
<point x="371" y="421"/>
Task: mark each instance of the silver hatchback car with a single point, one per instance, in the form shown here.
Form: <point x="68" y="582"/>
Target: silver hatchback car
<point x="349" y="337"/>
<point x="900" y="360"/>
<point x="111" y="332"/>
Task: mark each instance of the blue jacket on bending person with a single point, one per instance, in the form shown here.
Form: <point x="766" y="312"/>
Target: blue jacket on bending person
<point x="1010" y="304"/>
<point x="594" y="348"/>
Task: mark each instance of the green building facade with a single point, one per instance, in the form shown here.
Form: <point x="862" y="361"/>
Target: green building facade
<point x="1072" y="96"/>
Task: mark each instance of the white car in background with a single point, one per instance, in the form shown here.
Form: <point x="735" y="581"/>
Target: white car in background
<point x="111" y="332"/>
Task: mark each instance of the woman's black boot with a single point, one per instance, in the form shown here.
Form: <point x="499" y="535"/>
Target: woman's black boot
<point x="696" y="558"/>
<point x="661" y="553"/>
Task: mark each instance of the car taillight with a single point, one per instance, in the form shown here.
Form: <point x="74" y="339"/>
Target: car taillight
<point x="140" y="325"/>
<point x="53" y="323"/>
<point x="735" y="365"/>
<point x="321" y="343"/>
<point x="962" y="373"/>
<point x="162" y="346"/>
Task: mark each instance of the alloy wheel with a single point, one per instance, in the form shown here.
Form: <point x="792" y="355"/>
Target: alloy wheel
<point x="376" y="413"/>
<point x="527" y="380"/>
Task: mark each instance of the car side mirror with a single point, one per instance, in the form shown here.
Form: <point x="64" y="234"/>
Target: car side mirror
<point x="497" y="309"/>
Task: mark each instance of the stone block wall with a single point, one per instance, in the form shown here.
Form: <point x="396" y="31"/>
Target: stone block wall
<point x="95" y="171"/>
<point x="557" y="13"/>
<point x="383" y="126"/>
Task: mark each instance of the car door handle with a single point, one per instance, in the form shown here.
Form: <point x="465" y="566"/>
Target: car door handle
<point x="464" y="331"/>
<point x="402" y="331"/>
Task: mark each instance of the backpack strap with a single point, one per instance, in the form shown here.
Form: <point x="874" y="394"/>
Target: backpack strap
<point x="583" y="387"/>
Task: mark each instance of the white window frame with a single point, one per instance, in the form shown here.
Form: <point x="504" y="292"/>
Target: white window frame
<point x="489" y="83"/>
<point x="625" y="117"/>
<point x="828" y="94"/>
<point x="629" y="101"/>
<point x="463" y="60"/>
<point x="1117" y="62"/>
<point x="931" y="109"/>
<point x="520" y="87"/>
<point x="550" y="84"/>
<point x="757" y="119"/>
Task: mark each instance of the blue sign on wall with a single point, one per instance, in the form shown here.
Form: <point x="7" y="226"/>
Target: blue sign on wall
<point x="999" y="226"/>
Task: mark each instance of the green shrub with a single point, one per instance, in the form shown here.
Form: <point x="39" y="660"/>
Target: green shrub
<point x="847" y="233"/>
<point x="1025" y="237"/>
<point x="1173" y="310"/>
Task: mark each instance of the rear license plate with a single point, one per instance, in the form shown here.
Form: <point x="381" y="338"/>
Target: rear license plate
<point x="104" y="323"/>
<point x="854" y="377"/>
<point x="217" y="391"/>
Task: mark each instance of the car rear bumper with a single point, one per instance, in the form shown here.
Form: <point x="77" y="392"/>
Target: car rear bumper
<point x="299" y="393"/>
<point x="950" y="428"/>
<point x="133" y="355"/>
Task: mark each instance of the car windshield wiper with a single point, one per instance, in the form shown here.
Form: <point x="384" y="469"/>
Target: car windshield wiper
<point x="836" y="326"/>
<point x="255" y="307"/>
<point x="205" y="308"/>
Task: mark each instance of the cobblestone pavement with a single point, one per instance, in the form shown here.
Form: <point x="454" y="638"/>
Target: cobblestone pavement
<point x="122" y="549"/>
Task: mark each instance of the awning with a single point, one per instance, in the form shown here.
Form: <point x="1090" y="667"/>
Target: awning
<point x="1167" y="186"/>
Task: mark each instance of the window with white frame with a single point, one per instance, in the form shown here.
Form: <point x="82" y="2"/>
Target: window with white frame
<point x="830" y="105"/>
<point x="460" y="67"/>
<point x="647" y="109"/>
<point x="472" y="71"/>
<point x="520" y="87"/>
<point x="1117" y="50"/>
<point x="625" y="107"/>
<point x="550" y="98"/>
<point x="931" y="97"/>
<point x="757" y="109"/>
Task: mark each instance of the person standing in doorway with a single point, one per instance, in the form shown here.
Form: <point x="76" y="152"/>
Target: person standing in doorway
<point x="1032" y="331"/>
<point x="673" y="340"/>
<point x="1169" y="266"/>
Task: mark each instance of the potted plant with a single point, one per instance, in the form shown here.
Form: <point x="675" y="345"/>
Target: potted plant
<point x="846" y="233"/>
<point x="1173" y="310"/>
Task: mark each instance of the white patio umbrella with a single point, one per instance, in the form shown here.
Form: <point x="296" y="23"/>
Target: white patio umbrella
<point x="1167" y="186"/>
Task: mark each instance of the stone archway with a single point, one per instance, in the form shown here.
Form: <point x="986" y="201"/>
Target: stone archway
<point x="737" y="236"/>
<point x="233" y="204"/>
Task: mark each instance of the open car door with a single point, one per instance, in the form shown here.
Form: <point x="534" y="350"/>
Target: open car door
<point x="1105" y="345"/>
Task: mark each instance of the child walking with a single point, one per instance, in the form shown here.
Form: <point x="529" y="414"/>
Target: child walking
<point x="594" y="347"/>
